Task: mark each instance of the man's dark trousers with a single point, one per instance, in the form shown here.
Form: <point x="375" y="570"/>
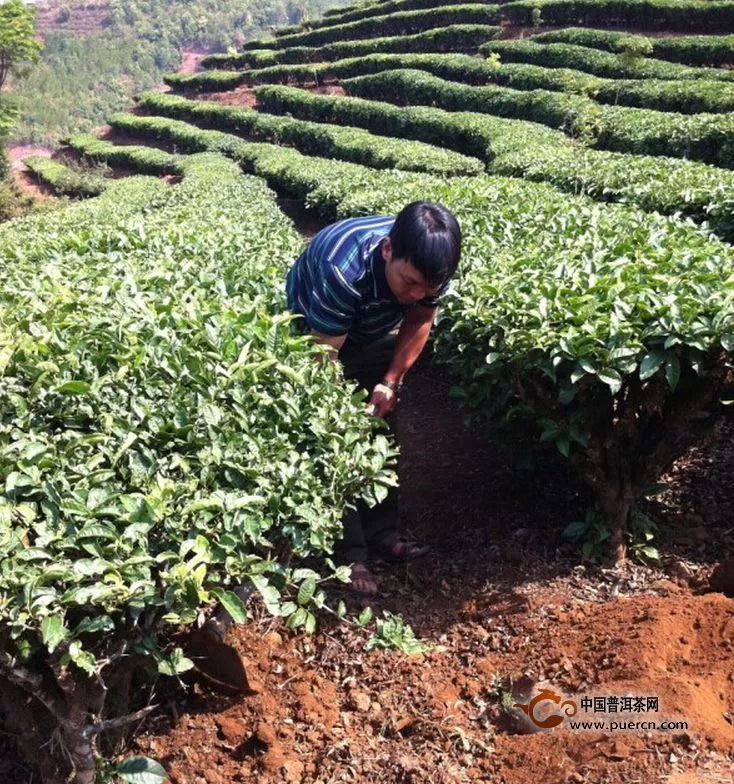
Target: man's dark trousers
<point x="365" y="527"/>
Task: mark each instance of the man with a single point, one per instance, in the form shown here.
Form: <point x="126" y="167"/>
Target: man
<point x="368" y="288"/>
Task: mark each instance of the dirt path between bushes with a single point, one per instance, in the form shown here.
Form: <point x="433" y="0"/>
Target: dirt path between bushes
<point x="22" y="176"/>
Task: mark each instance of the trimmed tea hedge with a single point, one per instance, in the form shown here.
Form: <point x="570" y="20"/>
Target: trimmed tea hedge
<point x="212" y="81"/>
<point x="63" y="180"/>
<point x="146" y="160"/>
<point x="653" y="15"/>
<point x="403" y="23"/>
<point x="694" y="15"/>
<point x="453" y="38"/>
<point x="599" y="63"/>
<point x="697" y="50"/>
<point x="345" y="143"/>
<point x="688" y="97"/>
<point x="704" y="137"/>
<point x="377" y="9"/>
<point x="523" y="148"/>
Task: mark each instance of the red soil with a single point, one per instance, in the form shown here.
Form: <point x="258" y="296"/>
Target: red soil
<point x="190" y="59"/>
<point x="17" y="153"/>
<point x="20" y="174"/>
<point x="240" y="96"/>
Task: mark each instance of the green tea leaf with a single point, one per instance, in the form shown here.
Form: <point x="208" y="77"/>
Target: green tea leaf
<point x="141" y="770"/>
<point x="74" y="388"/>
<point x="53" y="632"/>
<point x="232" y="604"/>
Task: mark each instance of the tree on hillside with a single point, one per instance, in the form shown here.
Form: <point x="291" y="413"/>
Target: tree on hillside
<point x="19" y="49"/>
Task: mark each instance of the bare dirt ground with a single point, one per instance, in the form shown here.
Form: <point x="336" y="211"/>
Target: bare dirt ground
<point x="190" y="59"/>
<point x="20" y="173"/>
<point x="244" y="96"/>
<point x="240" y="96"/>
<point x="503" y="600"/>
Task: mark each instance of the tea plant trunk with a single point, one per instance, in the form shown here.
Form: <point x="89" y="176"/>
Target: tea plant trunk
<point x="616" y="504"/>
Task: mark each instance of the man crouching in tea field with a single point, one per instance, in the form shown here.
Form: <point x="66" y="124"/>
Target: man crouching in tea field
<point x="368" y="288"/>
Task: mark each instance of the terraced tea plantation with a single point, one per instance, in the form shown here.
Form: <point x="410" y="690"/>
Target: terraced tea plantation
<point x="165" y="436"/>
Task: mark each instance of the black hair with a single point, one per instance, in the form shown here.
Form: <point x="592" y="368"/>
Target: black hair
<point x="428" y="235"/>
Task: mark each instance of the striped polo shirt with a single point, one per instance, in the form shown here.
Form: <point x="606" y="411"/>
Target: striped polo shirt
<point x="338" y="283"/>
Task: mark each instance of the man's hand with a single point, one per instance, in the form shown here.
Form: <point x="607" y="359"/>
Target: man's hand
<point x="383" y="400"/>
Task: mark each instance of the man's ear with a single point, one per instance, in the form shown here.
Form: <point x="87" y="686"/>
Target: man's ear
<point x="387" y="249"/>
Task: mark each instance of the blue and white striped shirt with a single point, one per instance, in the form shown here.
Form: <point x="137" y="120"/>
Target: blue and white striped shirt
<point x="338" y="283"/>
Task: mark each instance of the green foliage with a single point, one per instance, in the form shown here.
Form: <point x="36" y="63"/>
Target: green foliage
<point x="452" y="38"/>
<point x="146" y="160"/>
<point x="642" y="530"/>
<point x="708" y="50"/>
<point x="347" y="15"/>
<point x="19" y="49"/>
<point x="405" y="22"/>
<point x="393" y="633"/>
<point x="633" y="47"/>
<point x="163" y="430"/>
<point x="708" y="138"/>
<point x="63" y="180"/>
<point x="345" y="143"/>
<point x="607" y="64"/>
<point x="689" y="97"/>
<point x="606" y="322"/>
<point x="593" y="533"/>
<point x="520" y="148"/>
<point x="140" y="770"/>
<point x="702" y="15"/>
<point x="82" y="79"/>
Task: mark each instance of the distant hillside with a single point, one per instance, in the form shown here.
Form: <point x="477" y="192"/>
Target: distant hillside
<point x="98" y="54"/>
<point x="78" y="18"/>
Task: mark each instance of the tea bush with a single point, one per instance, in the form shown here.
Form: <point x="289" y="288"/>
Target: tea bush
<point x="688" y="97"/>
<point x="354" y="14"/>
<point x="145" y="160"/>
<point x="704" y="137"/>
<point x="403" y="23"/>
<point x="700" y="50"/>
<point x="679" y="15"/>
<point x="163" y="432"/>
<point x="518" y="147"/>
<point x="346" y="143"/>
<point x="559" y="55"/>
<point x="63" y="180"/>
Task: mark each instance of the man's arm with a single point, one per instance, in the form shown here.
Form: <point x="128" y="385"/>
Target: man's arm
<point x="334" y="343"/>
<point x="411" y="340"/>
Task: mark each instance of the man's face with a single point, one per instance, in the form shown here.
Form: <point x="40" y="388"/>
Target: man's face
<point x="405" y="281"/>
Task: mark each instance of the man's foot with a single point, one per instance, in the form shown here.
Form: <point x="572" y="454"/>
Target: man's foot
<point x="362" y="580"/>
<point x="395" y="547"/>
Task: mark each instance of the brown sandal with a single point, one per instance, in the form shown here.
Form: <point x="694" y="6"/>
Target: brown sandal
<point x="396" y="547"/>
